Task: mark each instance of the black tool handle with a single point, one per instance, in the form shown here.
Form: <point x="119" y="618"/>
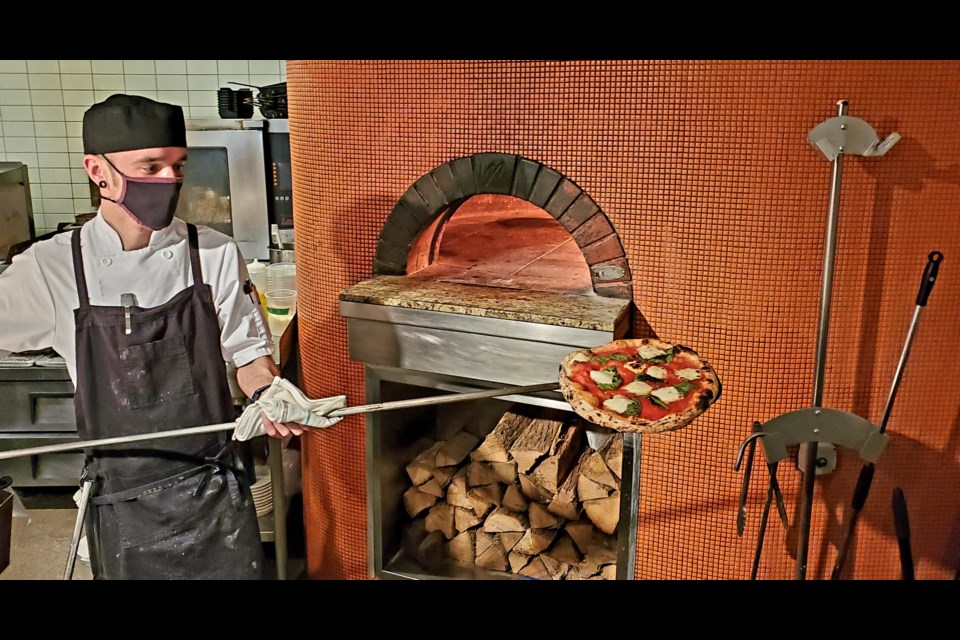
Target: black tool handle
<point x="864" y="480"/>
<point x="929" y="277"/>
<point x="902" y="525"/>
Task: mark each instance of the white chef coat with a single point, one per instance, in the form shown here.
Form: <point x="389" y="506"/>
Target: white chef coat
<point x="38" y="291"/>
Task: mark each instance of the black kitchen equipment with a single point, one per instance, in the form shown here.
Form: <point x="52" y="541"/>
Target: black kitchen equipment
<point x="234" y="103"/>
<point x="866" y="473"/>
<point x="271" y="99"/>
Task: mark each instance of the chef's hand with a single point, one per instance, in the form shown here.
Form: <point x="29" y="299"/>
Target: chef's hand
<point x="280" y="429"/>
<point x="282" y="409"/>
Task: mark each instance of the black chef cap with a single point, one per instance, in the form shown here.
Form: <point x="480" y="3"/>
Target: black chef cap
<point x="124" y="122"/>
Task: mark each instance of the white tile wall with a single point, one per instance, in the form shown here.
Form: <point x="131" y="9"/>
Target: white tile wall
<point x="42" y="104"/>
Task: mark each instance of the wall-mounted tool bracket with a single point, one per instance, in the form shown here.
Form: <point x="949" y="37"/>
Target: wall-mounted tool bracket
<point x="816" y="424"/>
<point x="846" y="134"/>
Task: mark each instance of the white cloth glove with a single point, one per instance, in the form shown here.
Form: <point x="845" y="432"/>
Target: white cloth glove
<point x="284" y="402"/>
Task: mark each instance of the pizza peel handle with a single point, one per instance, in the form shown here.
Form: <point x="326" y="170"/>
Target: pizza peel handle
<point x="230" y="426"/>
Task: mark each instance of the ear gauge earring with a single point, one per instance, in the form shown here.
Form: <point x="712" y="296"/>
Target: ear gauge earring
<point x="103" y="184"/>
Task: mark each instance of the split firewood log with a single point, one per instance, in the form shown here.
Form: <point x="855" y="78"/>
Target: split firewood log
<point x="495" y="447"/>
<point x="582" y="532"/>
<point x="586" y="568"/>
<point x="535" y="441"/>
<point x="588" y="489"/>
<point x="456" y="448"/>
<point x="602" y="548"/>
<point x="421" y="468"/>
<point x="517" y="561"/>
<point x="462" y="548"/>
<point x="609" y="572"/>
<point x="464" y="519"/>
<point x="595" y="468"/>
<point x="612" y="453"/>
<point x="513" y="499"/>
<point x="535" y="569"/>
<point x="457" y="490"/>
<point x="509" y="539"/>
<point x="502" y="519"/>
<point x="416" y="501"/>
<point x="484" y="497"/>
<point x="480" y="473"/>
<point x="532" y="491"/>
<point x="604" y="512"/>
<point x="484" y="540"/>
<point x="433" y="487"/>
<point x="563" y="550"/>
<point x="556" y="569"/>
<point x="565" y="503"/>
<point x="493" y="556"/>
<point x="431" y="552"/>
<point x="506" y="472"/>
<point x="541" y="518"/>
<point x="564" y="452"/>
<point x="443" y="475"/>
<point x="535" y="541"/>
<point x="440" y="518"/>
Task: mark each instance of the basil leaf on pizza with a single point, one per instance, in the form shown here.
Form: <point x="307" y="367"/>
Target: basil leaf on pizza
<point x="642" y="385"/>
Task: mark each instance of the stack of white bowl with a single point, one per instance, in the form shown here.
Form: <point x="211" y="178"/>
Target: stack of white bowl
<point x="262" y="491"/>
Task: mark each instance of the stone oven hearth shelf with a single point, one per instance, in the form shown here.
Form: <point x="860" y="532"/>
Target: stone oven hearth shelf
<point x="524" y="305"/>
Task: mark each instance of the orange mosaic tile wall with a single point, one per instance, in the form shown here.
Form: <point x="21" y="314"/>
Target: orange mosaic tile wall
<point x="720" y="202"/>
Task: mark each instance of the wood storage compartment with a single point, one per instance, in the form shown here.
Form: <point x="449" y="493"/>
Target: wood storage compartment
<point x="531" y="498"/>
<point x="504" y="488"/>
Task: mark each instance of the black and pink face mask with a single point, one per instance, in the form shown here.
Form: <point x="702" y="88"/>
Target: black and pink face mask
<point x="152" y="202"/>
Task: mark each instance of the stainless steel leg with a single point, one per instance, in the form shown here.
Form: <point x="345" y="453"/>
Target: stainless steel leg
<point x="78" y="527"/>
<point x="275" y="460"/>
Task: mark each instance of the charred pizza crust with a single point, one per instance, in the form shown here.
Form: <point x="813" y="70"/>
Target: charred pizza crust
<point x="588" y="406"/>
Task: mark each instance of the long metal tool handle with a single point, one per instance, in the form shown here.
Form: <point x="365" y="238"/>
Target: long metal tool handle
<point x="810" y="467"/>
<point x="230" y="426"/>
<point x="865" y="479"/>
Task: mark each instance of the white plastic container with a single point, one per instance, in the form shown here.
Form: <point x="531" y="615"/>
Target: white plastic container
<point x="258" y="276"/>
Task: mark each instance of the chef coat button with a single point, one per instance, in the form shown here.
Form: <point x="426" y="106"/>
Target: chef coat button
<point x="167" y="253"/>
<point x="106" y="262"/>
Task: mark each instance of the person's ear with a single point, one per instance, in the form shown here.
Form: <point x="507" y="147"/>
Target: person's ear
<point x="93" y="165"/>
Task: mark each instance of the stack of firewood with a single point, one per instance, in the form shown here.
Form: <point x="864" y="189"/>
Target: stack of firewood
<point x="531" y="498"/>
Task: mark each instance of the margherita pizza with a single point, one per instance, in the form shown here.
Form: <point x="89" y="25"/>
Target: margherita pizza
<point x="640" y="385"/>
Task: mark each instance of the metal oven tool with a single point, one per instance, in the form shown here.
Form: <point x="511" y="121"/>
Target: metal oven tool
<point x="865" y="479"/>
<point x="229" y="426"/>
<point x="773" y="493"/>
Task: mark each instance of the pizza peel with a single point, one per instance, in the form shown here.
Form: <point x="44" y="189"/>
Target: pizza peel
<point x="596" y="435"/>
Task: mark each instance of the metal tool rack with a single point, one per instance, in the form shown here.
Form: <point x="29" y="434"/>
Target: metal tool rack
<point x="818" y="429"/>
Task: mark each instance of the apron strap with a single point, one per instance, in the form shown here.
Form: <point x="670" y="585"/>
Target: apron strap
<point x="194" y="254"/>
<point x="78" y="271"/>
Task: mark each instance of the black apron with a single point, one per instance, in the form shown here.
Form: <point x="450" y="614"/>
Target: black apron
<point x="174" y="508"/>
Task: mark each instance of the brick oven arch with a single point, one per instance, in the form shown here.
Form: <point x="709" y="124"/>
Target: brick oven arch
<point x="445" y="187"/>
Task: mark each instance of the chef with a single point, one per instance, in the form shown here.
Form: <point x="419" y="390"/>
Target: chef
<point x="147" y="311"/>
